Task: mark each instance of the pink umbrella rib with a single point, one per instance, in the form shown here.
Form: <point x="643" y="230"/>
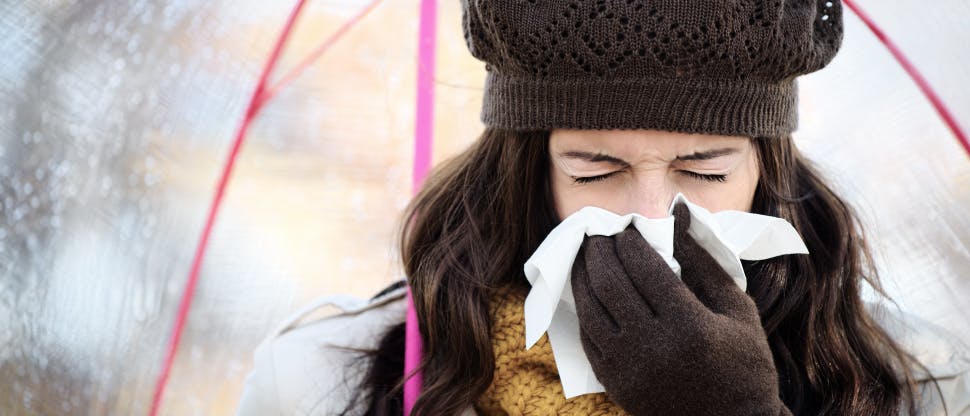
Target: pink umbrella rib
<point x="915" y="74"/>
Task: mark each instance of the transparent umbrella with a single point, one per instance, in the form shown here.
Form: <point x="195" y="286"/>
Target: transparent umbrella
<point x="901" y="161"/>
<point x="117" y="121"/>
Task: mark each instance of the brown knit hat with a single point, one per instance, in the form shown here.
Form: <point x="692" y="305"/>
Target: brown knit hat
<point x="715" y="67"/>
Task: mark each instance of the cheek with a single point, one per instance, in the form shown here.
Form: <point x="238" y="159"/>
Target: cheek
<point x="570" y="197"/>
<point x="566" y="197"/>
<point x="747" y="187"/>
<point x="560" y="196"/>
<point x="736" y="194"/>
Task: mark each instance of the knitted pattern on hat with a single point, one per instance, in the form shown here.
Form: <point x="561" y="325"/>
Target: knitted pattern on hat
<point x="526" y="382"/>
<point x="716" y="67"/>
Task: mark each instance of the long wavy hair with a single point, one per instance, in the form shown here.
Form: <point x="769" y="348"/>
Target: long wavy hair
<point x="482" y="213"/>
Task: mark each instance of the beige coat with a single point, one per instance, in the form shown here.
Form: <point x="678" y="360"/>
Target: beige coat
<point x="298" y="372"/>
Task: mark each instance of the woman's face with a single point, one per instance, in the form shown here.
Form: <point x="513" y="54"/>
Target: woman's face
<point x="640" y="171"/>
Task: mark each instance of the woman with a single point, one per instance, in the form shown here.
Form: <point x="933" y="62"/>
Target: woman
<point x="622" y="105"/>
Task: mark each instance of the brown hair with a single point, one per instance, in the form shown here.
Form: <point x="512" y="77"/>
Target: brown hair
<point x="483" y="212"/>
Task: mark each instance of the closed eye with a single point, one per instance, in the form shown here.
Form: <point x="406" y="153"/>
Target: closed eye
<point x="704" y="177"/>
<point x="590" y="179"/>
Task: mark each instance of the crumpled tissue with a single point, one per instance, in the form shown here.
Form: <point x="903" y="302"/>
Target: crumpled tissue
<point x="728" y="236"/>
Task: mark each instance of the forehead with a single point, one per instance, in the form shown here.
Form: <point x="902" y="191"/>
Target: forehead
<point x="637" y="142"/>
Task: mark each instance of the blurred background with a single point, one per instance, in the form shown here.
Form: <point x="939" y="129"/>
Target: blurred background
<point x="116" y="117"/>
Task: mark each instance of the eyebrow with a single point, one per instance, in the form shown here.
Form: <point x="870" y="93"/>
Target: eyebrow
<point x="594" y="157"/>
<point x="709" y="154"/>
<point x="601" y="157"/>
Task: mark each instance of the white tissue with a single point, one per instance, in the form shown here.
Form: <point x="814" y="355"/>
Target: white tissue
<point x="549" y="308"/>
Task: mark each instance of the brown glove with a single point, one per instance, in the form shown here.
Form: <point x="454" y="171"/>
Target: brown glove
<point x="662" y="346"/>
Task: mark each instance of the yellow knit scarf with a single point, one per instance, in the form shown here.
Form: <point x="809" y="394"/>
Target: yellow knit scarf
<point x="526" y="382"/>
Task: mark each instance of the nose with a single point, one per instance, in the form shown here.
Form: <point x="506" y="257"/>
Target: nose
<point x="656" y="208"/>
<point x="651" y="199"/>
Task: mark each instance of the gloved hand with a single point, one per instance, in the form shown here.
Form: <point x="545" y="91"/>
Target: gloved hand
<point x="662" y="346"/>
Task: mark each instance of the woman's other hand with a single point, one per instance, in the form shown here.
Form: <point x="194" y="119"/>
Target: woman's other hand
<point x="663" y="346"/>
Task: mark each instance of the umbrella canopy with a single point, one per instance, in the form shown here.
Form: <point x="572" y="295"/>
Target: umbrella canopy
<point x="116" y="121"/>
